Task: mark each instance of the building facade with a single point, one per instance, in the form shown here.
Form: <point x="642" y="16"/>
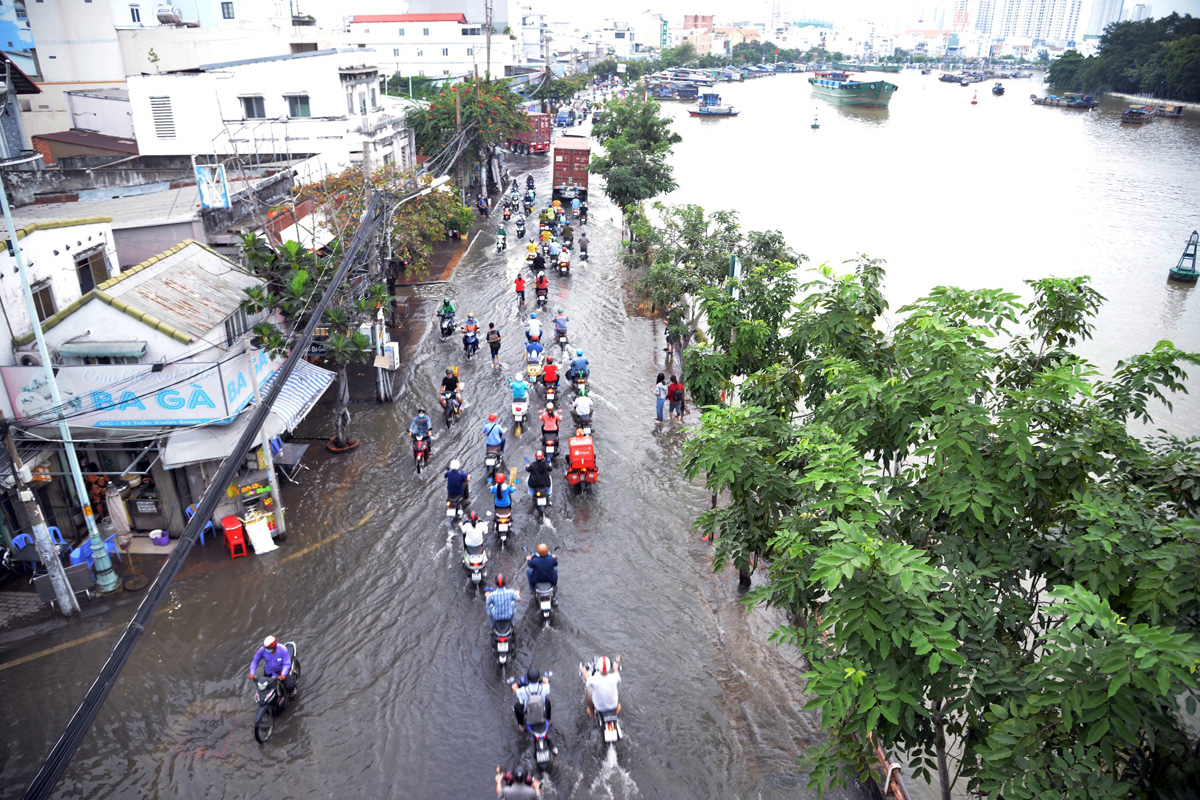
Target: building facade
<point x="434" y="45"/>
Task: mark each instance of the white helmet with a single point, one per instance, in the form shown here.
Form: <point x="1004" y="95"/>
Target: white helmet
<point x="269" y="642"/>
<point x="456" y="464"/>
<point x="520" y="376"/>
<point x="604" y="665"/>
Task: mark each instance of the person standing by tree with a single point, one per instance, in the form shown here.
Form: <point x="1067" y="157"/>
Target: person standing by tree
<point x="660" y="397"/>
<point x="675" y="396"/>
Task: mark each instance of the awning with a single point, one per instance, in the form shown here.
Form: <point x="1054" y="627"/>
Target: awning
<point x="304" y="387"/>
<point x="96" y="349"/>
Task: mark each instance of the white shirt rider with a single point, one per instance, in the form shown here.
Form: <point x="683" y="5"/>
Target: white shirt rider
<point x="533" y="328"/>
<point x="603" y="690"/>
<point x="583" y="406"/>
<point x="473" y="534"/>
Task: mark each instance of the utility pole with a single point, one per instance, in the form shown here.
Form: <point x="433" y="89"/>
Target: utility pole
<point x="106" y="579"/>
<point x="488" y="15"/>
<point x="47" y="550"/>
<point x="462" y="190"/>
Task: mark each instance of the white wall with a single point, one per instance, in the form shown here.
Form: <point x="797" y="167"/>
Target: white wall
<point x="45" y="265"/>
<point x="108" y="115"/>
<point x="444" y="52"/>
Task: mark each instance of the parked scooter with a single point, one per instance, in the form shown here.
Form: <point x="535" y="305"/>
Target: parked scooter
<point x="272" y="698"/>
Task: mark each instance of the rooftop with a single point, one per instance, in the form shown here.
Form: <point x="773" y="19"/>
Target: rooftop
<point x="362" y="18"/>
<point x="267" y="59"/>
<point x="126" y="212"/>
<point x="90" y="139"/>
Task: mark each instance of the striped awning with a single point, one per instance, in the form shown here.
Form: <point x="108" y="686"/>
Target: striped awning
<point x="303" y="389"/>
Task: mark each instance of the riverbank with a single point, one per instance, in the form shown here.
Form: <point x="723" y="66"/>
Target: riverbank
<point x="1151" y="100"/>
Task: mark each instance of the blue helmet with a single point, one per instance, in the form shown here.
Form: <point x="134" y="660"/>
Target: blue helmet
<point x="578" y="352"/>
<point x="533" y="316"/>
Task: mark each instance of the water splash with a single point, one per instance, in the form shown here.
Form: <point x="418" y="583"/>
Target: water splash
<point x="613" y="781"/>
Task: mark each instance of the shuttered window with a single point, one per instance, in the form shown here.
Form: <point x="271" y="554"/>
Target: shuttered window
<point x="163" y="116"/>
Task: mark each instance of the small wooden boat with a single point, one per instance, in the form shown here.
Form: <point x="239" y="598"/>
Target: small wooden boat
<point x="1137" y="115"/>
<point x="710" y="106"/>
<point x="998" y="89"/>
<point x="1185" y="270"/>
<point x="1171" y="112"/>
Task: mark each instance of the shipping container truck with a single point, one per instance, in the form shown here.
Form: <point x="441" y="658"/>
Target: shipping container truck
<point x="570" y="175"/>
<point x="535" y="140"/>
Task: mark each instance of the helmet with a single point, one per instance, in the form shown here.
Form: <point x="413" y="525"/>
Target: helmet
<point x="420" y="411"/>
<point x="539" y="455"/>
<point x="549" y="406"/>
<point x="456" y="464"/>
<point x="445" y="299"/>
<point x="533" y="675"/>
<point x="542" y="274"/>
<point x="500" y="580"/>
<point x="470" y="316"/>
<point x="519" y="377"/>
<point x="604" y="665"/>
<point x="549" y="359"/>
<point x="449" y="371"/>
<point x="543" y="550"/>
<point x="533" y="316"/>
<point x="560" y="310"/>
<point x="270" y="642"/>
<point x="578" y="352"/>
<point x="519" y="774"/>
<point x="491" y="417"/>
<point x="499" y="477"/>
<point x="579" y="431"/>
<point x="474" y="517"/>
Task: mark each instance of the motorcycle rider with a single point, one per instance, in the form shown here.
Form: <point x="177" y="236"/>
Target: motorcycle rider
<point x="277" y="663"/>
<point x="554" y="249"/>
<point x="539" y="263"/>
<point x="502" y="238"/>
<point x="533" y="328"/>
<point x="520" y="389"/>
<point x="446" y="309"/>
<point x="450" y="383"/>
<point x="519" y="283"/>
<point x="502" y="492"/>
<point x="582" y="409"/>
<point x="533" y="352"/>
<point x="583" y="214"/>
<point x="473" y="530"/>
<point x="520" y="227"/>
<point x="541" y="568"/>
<point x="470" y="331"/>
<point x="539" y="475"/>
<point x="601" y="688"/>
<point x="533" y="701"/>
<point x="421" y="425"/>
<point x="550" y="419"/>
<point x="493" y="340"/>
<point x="501" y="601"/>
<point x="493" y="433"/>
<point x="550" y="372"/>
<point x="517" y="785"/>
<point x="541" y="286"/>
<point x="579" y="366"/>
<point x="583" y="246"/>
<point x="458" y="482"/>
<point x="575" y="204"/>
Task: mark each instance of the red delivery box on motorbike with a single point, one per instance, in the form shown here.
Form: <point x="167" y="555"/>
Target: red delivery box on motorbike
<point x="583" y="460"/>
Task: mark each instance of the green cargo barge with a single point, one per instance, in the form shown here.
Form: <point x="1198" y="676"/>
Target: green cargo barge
<point x="840" y="88"/>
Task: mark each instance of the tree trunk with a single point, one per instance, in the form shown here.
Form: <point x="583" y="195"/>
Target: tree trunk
<point x="943" y="766"/>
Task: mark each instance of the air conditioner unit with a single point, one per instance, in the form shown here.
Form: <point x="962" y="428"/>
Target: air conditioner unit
<point x="29" y="360"/>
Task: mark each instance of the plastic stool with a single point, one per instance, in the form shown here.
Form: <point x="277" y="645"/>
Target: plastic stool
<point x="235" y="539"/>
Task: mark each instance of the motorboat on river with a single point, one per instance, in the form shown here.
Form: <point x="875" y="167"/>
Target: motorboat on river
<point x="711" y="106"/>
<point x="1067" y="100"/>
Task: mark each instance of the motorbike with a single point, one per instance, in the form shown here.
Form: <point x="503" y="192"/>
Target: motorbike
<point x="475" y="563"/>
<point x="532" y="371"/>
<point x="541" y="296"/>
<point x="583" y="255"/>
<point x="575" y="213"/>
<point x="529" y="182"/>
<point x="470" y="344"/>
<point x="540" y="730"/>
<point x="420" y="447"/>
<point x="447" y="325"/>
<point x="564" y="268"/>
<point x="272" y="698"/>
<point x="520" y="410"/>
<point x="541" y="499"/>
<point x="580" y="382"/>
<point x="544" y="592"/>
<point x="507" y="213"/>
<point x="503" y="524"/>
<point x="551" y="391"/>
<point x="550" y="445"/>
<point x="501" y="244"/>
<point x="520" y="227"/>
<point x="583" y="423"/>
<point x="560" y="338"/>
<point x="502" y="635"/>
<point x="528" y="208"/>
<point x="456" y="508"/>
<point x="608" y="722"/>
<point x="451" y="406"/>
<point x="493" y="461"/>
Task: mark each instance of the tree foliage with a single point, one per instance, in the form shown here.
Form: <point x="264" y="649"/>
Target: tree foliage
<point x="637" y="140"/>
<point x="489" y="110"/>
<point x="1153" y="56"/>
<point x="978" y="556"/>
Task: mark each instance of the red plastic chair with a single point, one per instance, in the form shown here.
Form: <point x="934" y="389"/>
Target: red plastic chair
<point x="235" y="538"/>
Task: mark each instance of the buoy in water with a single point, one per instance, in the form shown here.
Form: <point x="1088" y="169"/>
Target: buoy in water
<point x="975" y="99"/>
<point x="815" y="124"/>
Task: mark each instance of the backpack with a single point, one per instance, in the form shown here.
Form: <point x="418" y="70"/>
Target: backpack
<point x="535" y="708"/>
<point x="677" y="394"/>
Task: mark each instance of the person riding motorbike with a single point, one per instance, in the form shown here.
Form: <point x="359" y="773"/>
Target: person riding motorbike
<point x="473" y="530"/>
<point x="502" y="492"/>
<point x="568" y="237"/>
<point x="517" y="785"/>
<point x="529" y="181"/>
<point x="533" y="352"/>
<point x="550" y="419"/>
<point x="579" y="366"/>
<point x="575" y="204"/>
<point x="541" y="568"/>
<point x="539" y="475"/>
<point x="533" y="328"/>
<point x="601" y="687"/>
<point x="502" y="236"/>
<point x="458" y="482"/>
<point x="561" y="320"/>
<point x="539" y="263"/>
<point x="520" y="389"/>
<point x="277" y="663"/>
<point x="470" y="330"/>
<point x="446" y="309"/>
<point x="451" y="386"/>
<point x="421" y="424"/>
<point x="554" y="249"/>
<point x="520" y="227"/>
<point x="533" y="701"/>
<point x="493" y="433"/>
<point x="583" y="246"/>
<point x="550" y="372"/>
<point x="541" y="286"/>
<point x="564" y="260"/>
<point x="583" y="214"/>
<point x="582" y="409"/>
<point x="501" y="601"/>
<point x="531" y="248"/>
<point x="519" y="283"/>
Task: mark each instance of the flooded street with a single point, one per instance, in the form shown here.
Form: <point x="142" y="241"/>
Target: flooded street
<point x="401" y="695"/>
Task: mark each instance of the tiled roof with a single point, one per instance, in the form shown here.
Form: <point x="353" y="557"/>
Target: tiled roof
<point x="88" y="139"/>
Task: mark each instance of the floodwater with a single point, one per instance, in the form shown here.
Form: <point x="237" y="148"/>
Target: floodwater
<point x="401" y="693"/>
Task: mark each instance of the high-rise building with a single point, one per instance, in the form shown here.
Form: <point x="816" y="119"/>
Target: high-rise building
<point x="1038" y="20"/>
<point x="1140" y="12"/>
<point x="1103" y="12"/>
<point x="984" y="16"/>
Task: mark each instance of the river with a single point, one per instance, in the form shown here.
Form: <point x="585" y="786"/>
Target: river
<point x="401" y="694"/>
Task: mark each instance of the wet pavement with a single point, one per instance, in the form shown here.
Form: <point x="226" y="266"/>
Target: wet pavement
<point x="401" y="695"/>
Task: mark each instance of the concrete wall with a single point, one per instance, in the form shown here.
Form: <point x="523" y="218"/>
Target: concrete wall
<point x="136" y="243"/>
<point x="188" y="48"/>
<point x="94" y="112"/>
<point x="415" y="54"/>
<point x="25" y="187"/>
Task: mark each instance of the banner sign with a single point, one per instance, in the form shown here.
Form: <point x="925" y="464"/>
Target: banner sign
<point x="214" y="190"/>
<point x="134" y="395"/>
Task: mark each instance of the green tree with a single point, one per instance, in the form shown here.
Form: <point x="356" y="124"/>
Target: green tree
<point x="976" y="554"/>
<point x="347" y="345"/>
<point x="490" y="115"/>
<point x="637" y="140"/>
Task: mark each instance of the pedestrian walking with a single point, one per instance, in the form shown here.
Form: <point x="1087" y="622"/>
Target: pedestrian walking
<point x="493" y="340"/>
<point x="660" y="396"/>
<point x="675" y="396"/>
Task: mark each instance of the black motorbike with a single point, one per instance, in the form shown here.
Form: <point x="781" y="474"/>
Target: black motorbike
<point x="503" y="524"/>
<point x="520" y="227"/>
<point x="447" y="325"/>
<point x="456" y="508"/>
<point x="493" y="461"/>
<point x="272" y="698"/>
<point x="502" y="639"/>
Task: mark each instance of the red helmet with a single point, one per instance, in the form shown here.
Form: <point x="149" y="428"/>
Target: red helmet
<point x="474" y="517"/>
<point x="549" y="359"/>
<point x="539" y="455"/>
<point x="500" y="580"/>
<point x="491" y="417"/>
<point x="499" y="477"/>
<point x="269" y="642"/>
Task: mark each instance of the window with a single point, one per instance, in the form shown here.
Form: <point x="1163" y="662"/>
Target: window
<point x="163" y="116"/>
<point x="421" y="73"/>
<point x="445" y="51"/>
<point x="227" y="9"/>
<point x="425" y="31"/>
<point x="43" y="301"/>
<point x="620" y="35"/>
<point x="420" y="54"/>
<point x="237" y="324"/>
<point x="362" y="103"/>
<point x="298" y="105"/>
<point x="373" y="102"/>
<point x="402" y="31"/>
<point x="470" y="51"/>
<point x="253" y="108"/>
<point x="350" y="103"/>
<point x="91" y="269"/>
<point x="396" y="52"/>
<point x="20" y="9"/>
<point x="472" y="31"/>
<point x="135" y="14"/>
<point x="445" y="72"/>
